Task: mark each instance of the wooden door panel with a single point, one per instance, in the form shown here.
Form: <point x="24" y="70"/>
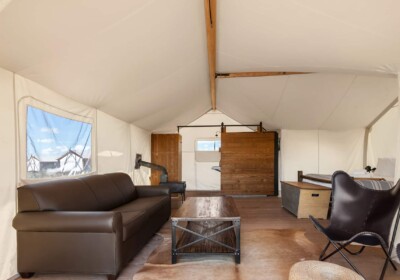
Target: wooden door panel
<point x="248" y="163"/>
<point x="166" y="151"/>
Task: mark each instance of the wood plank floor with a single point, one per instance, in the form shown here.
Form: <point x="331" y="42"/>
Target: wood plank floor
<point x="267" y="213"/>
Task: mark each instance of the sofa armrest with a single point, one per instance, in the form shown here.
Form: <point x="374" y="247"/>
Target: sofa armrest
<point x="145" y="191"/>
<point x="68" y="221"/>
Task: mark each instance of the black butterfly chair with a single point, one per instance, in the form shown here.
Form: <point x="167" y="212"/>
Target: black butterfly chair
<point x="360" y="215"/>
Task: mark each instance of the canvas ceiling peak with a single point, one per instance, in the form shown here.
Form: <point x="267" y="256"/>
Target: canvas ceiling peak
<point x="210" y="8"/>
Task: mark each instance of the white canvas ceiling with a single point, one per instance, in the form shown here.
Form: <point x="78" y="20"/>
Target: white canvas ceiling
<point x="145" y="61"/>
<point x="313" y="101"/>
<point x="308" y="35"/>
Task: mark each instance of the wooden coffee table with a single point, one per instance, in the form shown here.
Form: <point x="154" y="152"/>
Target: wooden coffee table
<point x="206" y="225"/>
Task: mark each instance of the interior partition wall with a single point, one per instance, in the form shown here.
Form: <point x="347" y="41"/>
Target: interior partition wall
<point x="197" y="163"/>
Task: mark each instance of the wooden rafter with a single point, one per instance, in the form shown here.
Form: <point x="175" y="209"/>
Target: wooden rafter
<point x="210" y="8"/>
<point x="211" y="16"/>
<point x="257" y="74"/>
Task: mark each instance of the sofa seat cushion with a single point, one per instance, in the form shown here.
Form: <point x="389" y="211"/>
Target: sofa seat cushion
<point x="150" y="205"/>
<point x="132" y="222"/>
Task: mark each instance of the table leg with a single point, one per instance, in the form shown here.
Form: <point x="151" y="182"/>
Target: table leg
<point x="236" y="223"/>
<point x="173" y="244"/>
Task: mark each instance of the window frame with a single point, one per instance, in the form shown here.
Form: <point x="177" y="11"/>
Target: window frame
<point x="209" y="140"/>
<point x="23" y="105"/>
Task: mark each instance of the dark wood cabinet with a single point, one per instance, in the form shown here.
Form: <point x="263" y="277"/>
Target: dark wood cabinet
<point x="166" y="150"/>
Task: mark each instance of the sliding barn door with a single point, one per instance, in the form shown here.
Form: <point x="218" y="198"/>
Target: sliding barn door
<point x="249" y="163"/>
<point x="166" y="151"/>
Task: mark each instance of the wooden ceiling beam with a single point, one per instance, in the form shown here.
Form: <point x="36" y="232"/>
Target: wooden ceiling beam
<point x="257" y="74"/>
<point x="211" y="25"/>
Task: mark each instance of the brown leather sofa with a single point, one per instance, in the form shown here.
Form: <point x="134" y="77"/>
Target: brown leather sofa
<point x="90" y="225"/>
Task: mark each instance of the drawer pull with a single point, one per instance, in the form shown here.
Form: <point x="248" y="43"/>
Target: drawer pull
<point x="315" y="194"/>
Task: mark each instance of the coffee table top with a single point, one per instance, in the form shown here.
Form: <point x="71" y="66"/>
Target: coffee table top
<point x="207" y="208"/>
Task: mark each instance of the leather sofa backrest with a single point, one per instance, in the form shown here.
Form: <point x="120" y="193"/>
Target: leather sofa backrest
<point x="124" y="184"/>
<point x="90" y="193"/>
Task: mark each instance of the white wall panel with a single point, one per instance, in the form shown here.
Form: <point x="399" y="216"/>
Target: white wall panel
<point x="8" y="252"/>
<point x="113" y="144"/>
<point x="383" y="137"/>
<point x="189" y="168"/>
<point x="320" y="151"/>
<point x="200" y="176"/>
<point x="340" y="150"/>
<point x="299" y="151"/>
<point x="140" y="144"/>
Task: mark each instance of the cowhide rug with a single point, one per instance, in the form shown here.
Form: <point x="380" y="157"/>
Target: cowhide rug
<point x="264" y="253"/>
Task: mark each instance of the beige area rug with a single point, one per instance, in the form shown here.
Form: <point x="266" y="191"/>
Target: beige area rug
<point x="261" y="258"/>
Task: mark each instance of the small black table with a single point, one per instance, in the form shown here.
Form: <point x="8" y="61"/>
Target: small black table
<point x="176" y="187"/>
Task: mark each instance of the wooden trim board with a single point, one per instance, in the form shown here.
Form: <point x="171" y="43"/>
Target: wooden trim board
<point x="305" y="186"/>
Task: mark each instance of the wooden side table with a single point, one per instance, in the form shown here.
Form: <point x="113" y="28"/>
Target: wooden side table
<point x="304" y="199"/>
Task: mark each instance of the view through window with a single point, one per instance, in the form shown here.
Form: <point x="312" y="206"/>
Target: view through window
<point x="208" y="145"/>
<point x="56" y="146"/>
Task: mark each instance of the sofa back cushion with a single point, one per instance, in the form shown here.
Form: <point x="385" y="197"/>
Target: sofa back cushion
<point x="65" y="195"/>
<point x="90" y="193"/>
<point x="124" y="184"/>
<point x="106" y="192"/>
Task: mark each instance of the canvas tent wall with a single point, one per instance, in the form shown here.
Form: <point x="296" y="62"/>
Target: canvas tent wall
<point x="320" y="151"/>
<point x="382" y="140"/>
<point x="113" y="153"/>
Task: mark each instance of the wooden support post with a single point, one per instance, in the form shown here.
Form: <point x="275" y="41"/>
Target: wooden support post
<point x="223" y="128"/>
<point x="299" y="176"/>
<point x="260" y="128"/>
<point x="211" y="25"/>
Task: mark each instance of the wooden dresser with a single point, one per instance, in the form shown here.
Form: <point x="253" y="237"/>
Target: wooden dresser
<point x="304" y="199"/>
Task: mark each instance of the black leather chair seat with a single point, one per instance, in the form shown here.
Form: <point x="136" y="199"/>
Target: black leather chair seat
<point x="343" y="236"/>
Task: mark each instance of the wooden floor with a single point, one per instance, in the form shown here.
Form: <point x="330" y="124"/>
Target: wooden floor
<point x="267" y="213"/>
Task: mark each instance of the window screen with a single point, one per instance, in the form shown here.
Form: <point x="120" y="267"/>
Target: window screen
<point x="56" y="146"/>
